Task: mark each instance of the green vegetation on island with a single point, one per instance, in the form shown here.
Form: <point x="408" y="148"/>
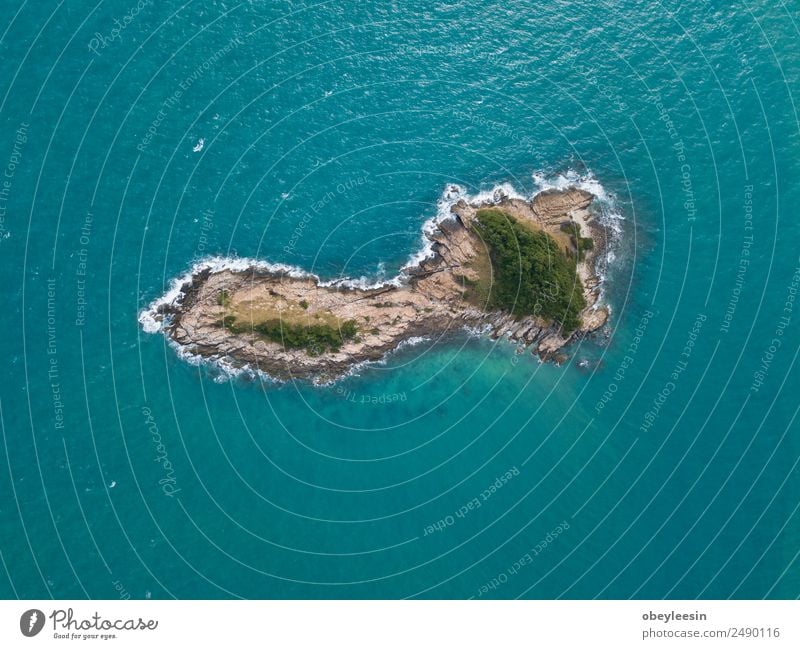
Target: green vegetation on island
<point x="531" y="275"/>
<point x="316" y="339"/>
<point x="223" y="299"/>
<point x="284" y="322"/>
<point x="523" y="269"/>
<point x="580" y="243"/>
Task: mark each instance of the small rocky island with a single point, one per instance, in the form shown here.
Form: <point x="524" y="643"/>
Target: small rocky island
<point x="524" y="269"/>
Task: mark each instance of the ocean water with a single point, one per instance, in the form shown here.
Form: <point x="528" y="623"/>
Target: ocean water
<point x="665" y="466"/>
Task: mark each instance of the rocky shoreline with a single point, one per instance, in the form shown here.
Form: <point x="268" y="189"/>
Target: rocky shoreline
<point x="355" y="325"/>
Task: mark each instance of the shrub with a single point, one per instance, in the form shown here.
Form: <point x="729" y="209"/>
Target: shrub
<point x="581" y="243"/>
<point x="532" y="276"/>
<point x="316" y="339"/>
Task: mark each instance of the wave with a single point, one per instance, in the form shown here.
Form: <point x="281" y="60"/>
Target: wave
<point x="220" y="369"/>
<point x="153" y="320"/>
<point x="477" y="331"/>
<point x="363" y="283"/>
<point x="450" y="196"/>
<point x="610" y="214"/>
<point x="355" y="369"/>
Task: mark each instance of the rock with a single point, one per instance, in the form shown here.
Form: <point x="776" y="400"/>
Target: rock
<point x="428" y="303"/>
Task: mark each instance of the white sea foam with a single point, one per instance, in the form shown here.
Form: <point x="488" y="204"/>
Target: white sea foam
<point x="411" y="342"/>
<point x="152" y="321"/>
<point x="477" y="331"/>
<point x="450" y="196"/>
<point x="363" y="283"/>
<point x="355" y="369"/>
<point x="495" y="195"/>
<point x="572" y="178"/>
<point x="221" y="369"/>
<point x="610" y="214"/>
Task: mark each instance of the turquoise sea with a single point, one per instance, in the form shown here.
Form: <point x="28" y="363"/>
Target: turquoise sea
<point x="666" y="466"/>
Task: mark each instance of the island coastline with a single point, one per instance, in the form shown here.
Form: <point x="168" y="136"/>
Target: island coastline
<point x="286" y="323"/>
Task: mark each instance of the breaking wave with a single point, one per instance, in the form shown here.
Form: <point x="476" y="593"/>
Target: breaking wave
<point x="153" y="319"/>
